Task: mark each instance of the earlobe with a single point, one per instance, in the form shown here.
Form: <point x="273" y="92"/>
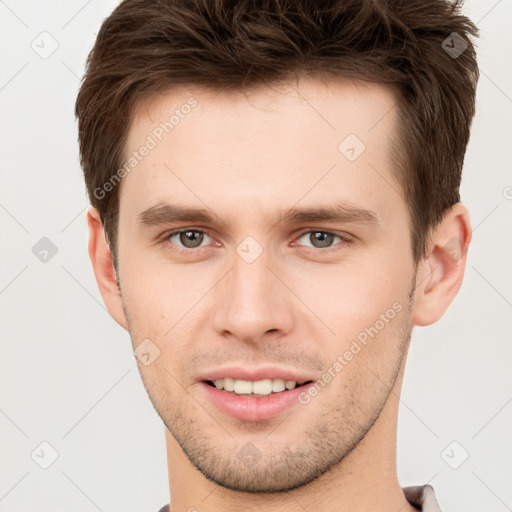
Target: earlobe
<point x="103" y="266"/>
<point x="439" y="276"/>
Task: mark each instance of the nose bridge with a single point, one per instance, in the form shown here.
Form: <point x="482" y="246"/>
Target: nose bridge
<point x="252" y="300"/>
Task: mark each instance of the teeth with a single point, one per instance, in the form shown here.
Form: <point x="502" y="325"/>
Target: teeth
<point x="229" y="384"/>
<point x="262" y="387"/>
<point x="278" y="385"/>
<point x="259" y="387"/>
<point x="243" y="387"/>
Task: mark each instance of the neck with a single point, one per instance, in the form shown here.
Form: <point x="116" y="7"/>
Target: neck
<point x="365" y="480"/>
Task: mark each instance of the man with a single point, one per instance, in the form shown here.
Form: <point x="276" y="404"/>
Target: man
<point x="275" y="205"/>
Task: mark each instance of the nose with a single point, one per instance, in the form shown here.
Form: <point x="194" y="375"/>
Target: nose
<point x="253" y="302"/>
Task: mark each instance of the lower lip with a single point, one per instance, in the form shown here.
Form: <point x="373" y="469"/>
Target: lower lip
<point x="250" y="408"/>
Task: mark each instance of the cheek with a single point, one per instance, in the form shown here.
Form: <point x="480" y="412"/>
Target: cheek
<point x="159" y="295"/>
<point x="146" y="299"/>
<point x="350" y="297"/>
<point x="370" y="355"/>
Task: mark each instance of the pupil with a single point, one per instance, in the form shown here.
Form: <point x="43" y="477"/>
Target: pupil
<point x="191" y="238"/>
<point x="321" y="239"/>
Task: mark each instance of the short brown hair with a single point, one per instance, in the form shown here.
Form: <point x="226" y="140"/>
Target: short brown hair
<point x="421" y="49"/>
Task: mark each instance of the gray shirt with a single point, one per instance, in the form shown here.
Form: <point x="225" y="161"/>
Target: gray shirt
<point x="420" y="496"/>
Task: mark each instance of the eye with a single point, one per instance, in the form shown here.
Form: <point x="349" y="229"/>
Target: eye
<point x="187" y="238"/>
<point x="322" y="239"/>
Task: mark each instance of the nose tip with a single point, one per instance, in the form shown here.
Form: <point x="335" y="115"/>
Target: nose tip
<point x="252" y="303"/>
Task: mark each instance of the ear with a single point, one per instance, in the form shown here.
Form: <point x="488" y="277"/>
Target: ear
<point x="439" y="275"/>
<point x="103" y="266"/>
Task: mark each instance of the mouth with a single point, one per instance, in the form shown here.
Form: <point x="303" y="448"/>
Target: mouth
<point x="257" y="389"/>
<point x="258" y="400"/>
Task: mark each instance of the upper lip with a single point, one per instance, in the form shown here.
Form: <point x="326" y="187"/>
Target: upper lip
<point x="254" y="374"/>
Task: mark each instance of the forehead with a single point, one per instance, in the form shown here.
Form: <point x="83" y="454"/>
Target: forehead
<point x="336" y="105"/>
<point x="264" y="142"/>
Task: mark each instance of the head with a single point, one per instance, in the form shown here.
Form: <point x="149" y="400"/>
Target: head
<point x="312" y="157"/>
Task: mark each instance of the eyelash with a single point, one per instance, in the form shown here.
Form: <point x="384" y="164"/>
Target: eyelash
<point x="345" y="240"/>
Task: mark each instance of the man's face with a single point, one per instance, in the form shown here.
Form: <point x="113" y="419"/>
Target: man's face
<point x="255" y="289"/>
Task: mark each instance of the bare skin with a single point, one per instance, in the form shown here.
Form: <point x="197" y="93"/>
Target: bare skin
<point x="299" y="305"/>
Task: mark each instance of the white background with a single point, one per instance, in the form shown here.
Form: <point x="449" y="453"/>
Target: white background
<point x="68" y="375"/>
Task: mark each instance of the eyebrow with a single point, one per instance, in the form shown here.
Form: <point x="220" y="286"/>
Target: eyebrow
<point x="345" y="213"/>
<point x="163" y="213"/>
<point x="167" y="213"/>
